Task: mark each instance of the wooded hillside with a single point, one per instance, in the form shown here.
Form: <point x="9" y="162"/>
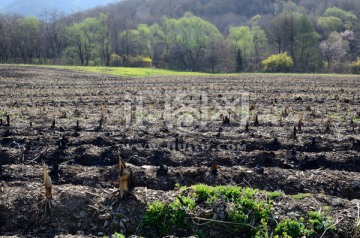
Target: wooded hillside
<point x="197" y="35"/>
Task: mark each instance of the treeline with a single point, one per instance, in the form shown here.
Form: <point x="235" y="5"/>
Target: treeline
<point x="316" y="42"/>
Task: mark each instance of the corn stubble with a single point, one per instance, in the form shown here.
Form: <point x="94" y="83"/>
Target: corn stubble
<point x="43" y="208"/>
<point x="125" y="182"/>
<point x="47" y="182"/>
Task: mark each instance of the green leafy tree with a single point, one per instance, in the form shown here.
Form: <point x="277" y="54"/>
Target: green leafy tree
<point x="84" y="37"/>
<point x="241" y="38"/>
<point x="28" y="38"/>
<point x="104" y="38"/>
<point x="347" y="18"/>
<point x="306" y="42"/>
<point x="129" y="45"/>
<point x="260" y="46"/>
<point x="330" y="23"/>
<point x="149" y="41"/>
<point x="189" y="40"/>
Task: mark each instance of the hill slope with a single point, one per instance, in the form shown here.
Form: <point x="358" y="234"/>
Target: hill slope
<point x="37" y="7"/>
<point x="222" y="13"/>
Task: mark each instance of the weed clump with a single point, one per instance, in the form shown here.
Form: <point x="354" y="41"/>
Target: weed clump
<point x="246" y="211"/>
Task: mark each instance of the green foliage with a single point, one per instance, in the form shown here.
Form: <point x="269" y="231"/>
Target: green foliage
<point x="301" y="196"/>
<point x="243" y="206"/>
<point x="164" y="218"/>
<point x="203" y="191"/>
<point x="330" y="23"/>
<point x="290" y="228"/>
<point x="242" y="38"/>
<point x="88" y="38"/>
<point x="319" y="222"/>
<point x="278" y="63"/>
<point x="260" y="45"/>
<point x="189" y="39"/>
<point x="306" y="43"/>
<point x="118" y="235"/>
<point x="178" y="216"/>
<point x="347" y="18"/>
<point x="248" y="213"/>
<point x="156" y="217"/>
<point x="274" y="194"/>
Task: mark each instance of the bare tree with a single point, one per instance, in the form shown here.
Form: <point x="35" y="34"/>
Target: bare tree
<point x="55" y="32"/>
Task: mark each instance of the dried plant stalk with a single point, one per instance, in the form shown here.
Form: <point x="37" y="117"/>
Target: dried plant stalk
<point x="328" y="124"/>
<point x="300" y="122"/>
<point x="47" y="182"/>
<point x="123" y="179"/>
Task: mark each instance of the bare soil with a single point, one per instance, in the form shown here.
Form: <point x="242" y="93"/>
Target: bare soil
<point x="322" y="159"/>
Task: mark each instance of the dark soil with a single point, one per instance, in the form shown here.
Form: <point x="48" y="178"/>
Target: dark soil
<point x="322" y="159"/>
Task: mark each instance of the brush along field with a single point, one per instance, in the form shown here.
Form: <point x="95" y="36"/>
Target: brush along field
<point x="290" y="143"/>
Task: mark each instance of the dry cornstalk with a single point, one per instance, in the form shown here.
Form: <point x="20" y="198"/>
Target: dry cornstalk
<point x="47" y="182"/>
<point x="126" y="179"/>
<point x="300" y="122"/>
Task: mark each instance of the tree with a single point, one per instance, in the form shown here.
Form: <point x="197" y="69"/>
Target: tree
<point x="104" y="39"/>
<point x="241" y="38"/>
<point x="2" y="40"/>
<point x="260" y="46"/>
<point x="77" y="42"/>
<point x="55" y="33"/>
<point x="306" y="41"/>
<point x="128" y="44"/>
<point x="330" y="23"/>
<point x="347" y="18"/>
<point x="334" y="48"/>
<point x="283" y="32"/>
<point x="239" y="61"/>
<point x="189" y="40"/>
<point x="27" y="32"/>
<point x="149" y="42"/>
<point x="84" y="37"/>
<point x="278" y="63"/>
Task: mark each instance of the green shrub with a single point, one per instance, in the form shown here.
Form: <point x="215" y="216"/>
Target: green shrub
<point x="156" y="217"/>
<point x="319" y="222"/>
<point x="290" y="228"/>
<point x="164" y="218"/>
<point x="117" y="235"/>
<point x="278" y="63"/>
<point x="247" y="210"/>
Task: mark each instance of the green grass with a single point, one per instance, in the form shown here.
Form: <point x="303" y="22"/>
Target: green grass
<point x="147" y="72"/>
<point x="301" y="196"/>
<point x="127" y="71"/>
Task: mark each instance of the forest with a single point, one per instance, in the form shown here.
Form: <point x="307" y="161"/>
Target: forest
<point x="206" y="35"/>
